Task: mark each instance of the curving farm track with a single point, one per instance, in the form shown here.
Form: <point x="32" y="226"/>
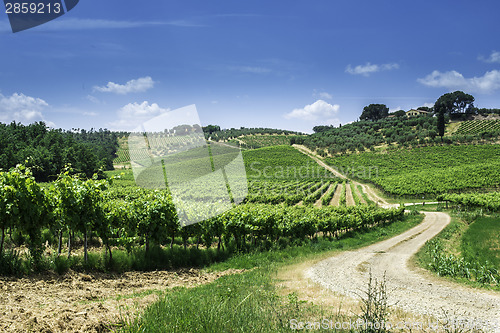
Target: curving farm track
<point x="410" y="288"/>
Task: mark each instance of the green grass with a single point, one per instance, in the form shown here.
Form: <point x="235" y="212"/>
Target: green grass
<point x="481" y="241"/>
<point x="465" y="252"/>
<point x="249" y="302"/>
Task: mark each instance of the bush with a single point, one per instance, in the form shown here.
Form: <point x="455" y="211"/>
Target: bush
<point x="11" y="263"/>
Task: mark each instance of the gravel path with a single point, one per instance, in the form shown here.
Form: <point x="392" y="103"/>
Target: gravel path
<point x="411" y="289"/>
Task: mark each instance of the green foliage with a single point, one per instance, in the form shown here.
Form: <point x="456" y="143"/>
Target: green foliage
<point x="362" y="135"/>
<point x="490" y="201"/>
<point x="480" y="242"/>
<point x="343" y="199"/>
<point x="24" y="206"/>
<point x="11" y="264"/>
<point x="466" y="251"/>
<point x="282" y="162"/>
<point x="259" y="141"/>
<point x="426" y="170"/>
<point x="47" y="151"/>
<point x="374" y="112"/>
<point x="228" y="134"/>
<point x="355" y="197"/>
<point x="450" y="265"/>
<point x="327" y="198"/>
<point x="480" y="127"/>
<point x="455" y="103"/>
<point x="77" y="204"/>
<point x="313" y="197"/>
<point x="440" y="123"/>
<point x="248" y="300"/>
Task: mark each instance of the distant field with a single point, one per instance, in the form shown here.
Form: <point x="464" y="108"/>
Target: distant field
<point x="427" y="170"/>
<point x="478" y="126"/>
<point x="258" y="141"/>
<point x="281" y="162"/>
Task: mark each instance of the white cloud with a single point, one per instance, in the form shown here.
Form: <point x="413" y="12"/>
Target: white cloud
<point x="133" y="114"/>
<point x="322" y="95"/>
<point x="325" y="95"/>
<point x="93" y="99"/>
<point x="317" y="111"/>
<point x="21" y="108"/>
<point x="138" y="85"/>
<point x="369" y="68"/>
<point x="250" y="69"/>
<point x="92" y="24"/>
<point x="90" y="114"/>
<point x="493" y="58"/>
<point x="391" y="110"/>
<point x="487" y="83"/>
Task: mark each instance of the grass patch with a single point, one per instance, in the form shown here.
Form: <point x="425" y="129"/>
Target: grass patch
<point x="481" y="241"/>
<point x="250" y="302"/>
<point x="466" y="252"/>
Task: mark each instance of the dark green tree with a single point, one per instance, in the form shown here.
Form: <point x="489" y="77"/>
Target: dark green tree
<point x="455" y="103"/>
<point x="374" y="112"/>
<point x="211" y="128"/>
<point x="440" y="123"/>
<point x="399" y="113"/>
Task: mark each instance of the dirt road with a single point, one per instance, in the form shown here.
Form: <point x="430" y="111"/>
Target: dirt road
<point x="370" y="193"/>
<point x="411" y="289"/>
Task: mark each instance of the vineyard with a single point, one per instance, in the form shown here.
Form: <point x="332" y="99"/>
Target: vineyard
<point x="490" y="201"/>
<point x="259" y="141"/>
<point x="427" y="170"/>
<point x="130" y="218"/>
<point x="286" y="190"/>
<point x="479" y="126"/>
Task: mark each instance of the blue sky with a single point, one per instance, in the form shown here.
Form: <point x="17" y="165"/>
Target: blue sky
<point x="282" y="64"/>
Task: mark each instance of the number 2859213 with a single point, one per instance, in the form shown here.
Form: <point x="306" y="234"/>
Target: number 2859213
<point x="32" y="8"/>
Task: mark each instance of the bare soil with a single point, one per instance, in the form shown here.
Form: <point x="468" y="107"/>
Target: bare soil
<point x="358" y="193"/>
<point x="77" y="302"/>
<point x="319" y="202"/>
<point x="336" y="197"/>
<point x="348" y="196"/>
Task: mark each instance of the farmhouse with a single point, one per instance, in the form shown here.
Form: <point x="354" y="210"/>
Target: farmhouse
<point x="416" y="113"/>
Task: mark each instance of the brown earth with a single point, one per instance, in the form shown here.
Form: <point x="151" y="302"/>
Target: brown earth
<point x="336" y="197"/>
<point x="319" y="202"/>
<point x="348" y="196"/>
<point x="77" y="302"/>
<point x="358" y="193"/>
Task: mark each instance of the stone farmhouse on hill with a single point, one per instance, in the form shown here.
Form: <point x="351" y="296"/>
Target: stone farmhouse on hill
<point x="412" y="113"/>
